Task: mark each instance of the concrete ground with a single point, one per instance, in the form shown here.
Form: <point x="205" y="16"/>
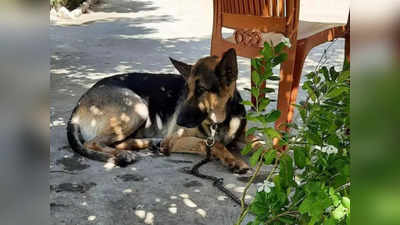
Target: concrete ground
<point x="138" y="36"/>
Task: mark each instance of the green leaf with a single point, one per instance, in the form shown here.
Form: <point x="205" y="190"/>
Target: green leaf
<point x="255" y="157"/>
<point x="272" y="116"/>
<point x="310" y="91"/>
<point x="279" y="59"/>
<point x="334" y="73"/>
<point x="268" y="90"/>
<point x="260" y="206"/>
<point x="286" y="220"/>
<point x="255" y="77"/>
<point x="252" y="118"/>
<point x="325" y="72"/>
<point x="247" y="89"/>
<point x="299" y="157"/>
<point x="251" y="131"/>
<point x="344" y="75"/>
<point x="330" y="221"/>
<point x="278" y="48"/>
<point x="254" y="63"/>
<point x="311" y="75"/>
<point x="264" y="103"/>
<point x="339" y="212"/>
<point x="336" y="92"/>
<point x="274" y="78"/>
<point x="246" y="149"/>
<point x="305" y="206"/>
<point x="286" y="170"/>
<point x="271" y="132"/>
<point x="346" y="202"/>
<point x="247" y="103"/>
<point x="266" y="51"/>
<point x="269" y="156"/>
<point x="255" y="92"/>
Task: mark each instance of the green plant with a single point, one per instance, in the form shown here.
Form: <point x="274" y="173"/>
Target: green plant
<point x="309" y="182"/>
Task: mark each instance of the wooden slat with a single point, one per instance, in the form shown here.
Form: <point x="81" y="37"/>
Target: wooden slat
<point x="230" y="7"/>
<point x="241" y="10"/>
<point x="265" y="8"/>
<point x="251" y="8"/>
<point x="273" y="7"/>
<point x="225" y="6"/>
<point x="258" y="7"/>
<point x="264" y="24"/>
<point x="281" y="8"/>
<point x="246" y="7"/>
<point x="235" y="6"/>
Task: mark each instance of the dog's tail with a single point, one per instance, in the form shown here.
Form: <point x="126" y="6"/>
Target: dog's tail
<point x="76" y="142"/>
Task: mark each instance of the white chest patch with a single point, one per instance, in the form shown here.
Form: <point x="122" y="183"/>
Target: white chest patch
<point x="159" y="122"/>
<point x="234" y="125"/>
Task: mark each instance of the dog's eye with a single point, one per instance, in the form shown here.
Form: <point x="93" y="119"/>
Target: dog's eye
<point x="200" y="90"/>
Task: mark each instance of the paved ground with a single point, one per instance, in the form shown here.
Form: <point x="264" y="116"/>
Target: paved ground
<point x="140" y="36"/>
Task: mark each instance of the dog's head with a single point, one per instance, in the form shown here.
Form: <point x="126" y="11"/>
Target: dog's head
<point x="211" y="83"/>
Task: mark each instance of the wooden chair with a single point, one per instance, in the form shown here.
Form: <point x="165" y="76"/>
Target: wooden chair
<point x="256" y="21"/>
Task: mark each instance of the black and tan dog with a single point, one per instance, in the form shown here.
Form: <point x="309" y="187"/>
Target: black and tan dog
<point x="126" y="112"/>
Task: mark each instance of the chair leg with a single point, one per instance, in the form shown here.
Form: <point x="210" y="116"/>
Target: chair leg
<point x="301" y="54"/>
<point x="347" y="46"/>
<point x="285" y="86"/>
<point x="213" y="50"/>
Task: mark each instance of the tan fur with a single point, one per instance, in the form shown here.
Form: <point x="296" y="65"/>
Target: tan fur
<point x="107" y="128"/>
<point x="192" y="140"/>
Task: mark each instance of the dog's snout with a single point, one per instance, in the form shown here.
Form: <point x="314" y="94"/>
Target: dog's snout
<point x="190" y="116"/>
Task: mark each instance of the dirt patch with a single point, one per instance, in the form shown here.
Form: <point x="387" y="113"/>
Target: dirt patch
<point x="130" y="177"/>
<point x="70" y="187"/>
<point x="193" y="183"/>
<point x="72" y="164"/>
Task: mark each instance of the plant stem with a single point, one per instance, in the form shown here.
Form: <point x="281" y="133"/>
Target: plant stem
<point x="259" y="165"/>
<point x="290" y="213"/>
<point x="246" y="209"/>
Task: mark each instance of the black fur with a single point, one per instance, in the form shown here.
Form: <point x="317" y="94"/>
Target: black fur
<point x="162" y="93"/>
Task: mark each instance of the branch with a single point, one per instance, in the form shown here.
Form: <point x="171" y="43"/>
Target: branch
<point x="245" y="210"/>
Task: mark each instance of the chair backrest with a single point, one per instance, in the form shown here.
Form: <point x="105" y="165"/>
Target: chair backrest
<point x="255" y="7"/>
<point x="279" y="16"/>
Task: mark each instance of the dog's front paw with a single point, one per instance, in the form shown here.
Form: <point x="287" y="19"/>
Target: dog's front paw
<point x="124" y="158"/>
<point x="164" y="148"/>
<point x="241" y="170"/>
<point x="238" y="167"/>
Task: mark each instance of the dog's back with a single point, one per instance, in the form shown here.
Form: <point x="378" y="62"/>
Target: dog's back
<point x="136" y="105"/>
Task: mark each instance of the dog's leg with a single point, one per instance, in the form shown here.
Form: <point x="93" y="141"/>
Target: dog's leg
<point x="137" y="143"/>
<point x="103" y="144"/>
<point x="197" y="146"/>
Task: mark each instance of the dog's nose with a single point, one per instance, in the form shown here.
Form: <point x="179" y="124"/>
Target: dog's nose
<point x="190" y="116"/>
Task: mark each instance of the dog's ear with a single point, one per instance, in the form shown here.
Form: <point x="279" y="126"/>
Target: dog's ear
<point x="183" y="68"/>
<point x="227" y="69"/>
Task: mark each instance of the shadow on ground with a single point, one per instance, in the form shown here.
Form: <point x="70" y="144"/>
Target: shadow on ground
<point x="155" y="190"/>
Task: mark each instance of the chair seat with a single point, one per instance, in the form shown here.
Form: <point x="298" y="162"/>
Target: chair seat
<point x="306" y="29"/>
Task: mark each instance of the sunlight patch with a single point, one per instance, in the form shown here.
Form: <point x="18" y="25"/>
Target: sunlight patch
<point x="189" y="203"/>
<point x="201" y="212"/>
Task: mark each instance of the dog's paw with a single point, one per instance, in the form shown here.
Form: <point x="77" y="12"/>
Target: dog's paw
<point x="155" y="148"/>
<point x="164" y="148"/>
<point x="124" y="158"/>
<point x="241" y="170"/>
<point x="239" y="167"/>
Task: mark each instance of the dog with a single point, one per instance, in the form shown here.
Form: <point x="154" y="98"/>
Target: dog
<point x="134" y="111"/>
